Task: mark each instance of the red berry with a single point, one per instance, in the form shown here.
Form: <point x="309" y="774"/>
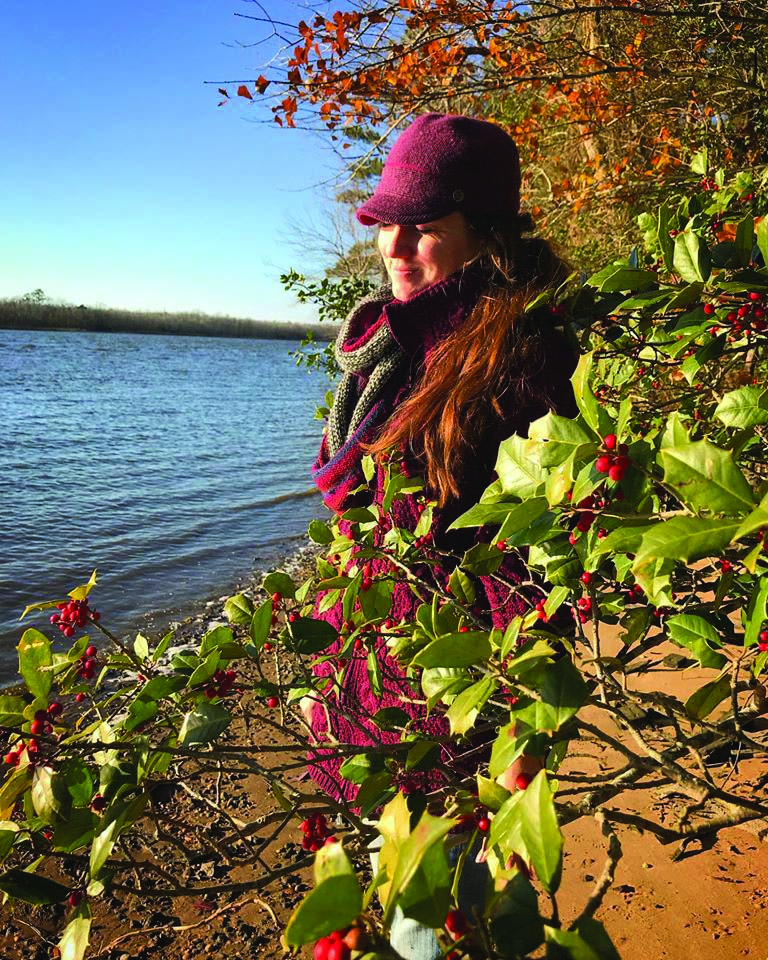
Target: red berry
<point x="75" y="898"/>
<point x="37" y="727"/>
<point x="55" y="709"/>
<point x="456" y="923"/>
<point x="616" y="474"/>
<point x="709" y="309"/>
<point x="276" y="597"/>
<point x="79" y="697"/>
<point x="522" y="780"/>
<point x="338" y="950"/>
<point x="356" y="938"/>
<point x="603" y="464"/>
<point x="483" y="824"/>
<point x="321" y="949"/>
<point x="609" y="441"/>
<point x="91" y="651"/>
<point x="273" y="702"/>
<point x="586" y="577"/>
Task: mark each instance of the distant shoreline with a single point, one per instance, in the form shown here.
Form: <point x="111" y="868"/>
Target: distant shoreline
<point x="21" y="315"/>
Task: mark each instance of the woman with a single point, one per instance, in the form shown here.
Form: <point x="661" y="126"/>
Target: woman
<point x="439" y="366"/>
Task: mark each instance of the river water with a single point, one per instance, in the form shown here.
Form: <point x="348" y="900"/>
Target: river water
<point x="172" y="465"/>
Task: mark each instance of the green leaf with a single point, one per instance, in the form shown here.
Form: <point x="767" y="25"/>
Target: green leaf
<point x="74" y="941"/>
<point x="562" y="690"/>
<point x="756" y="612"/>
<point x="427" y="898"/>
<point x="696" y="634"/>
<point x="404" y="851"/>
<point x="539" y="832"/>
<point x="568" y="945"/>
<point x="141" y="646"/>
<point x="762" y="238"/>
<point x="32" y="888"/>
<point x="743" y="408"/>
<point x="462" y="586"/>
<point x="77" y="831"/>
<point x="496" y="513"/>
<point x="279" y="582"/>
<point x="239" y="610"/>
<point x="440" y="683"/>
<point x="216" y="639"/>
<point x="688" y="538"/>
<point x="619" y="278"/>
<point x="482" y="559"/>
<point x="360" y="766"/>
<point x="553" y="439"/>
<point x="320" y="532"/>
<point x="261" y="624"/>
<point x="466" y="708"/>
<point x="9" y="831"/>
<point x="706" y="477"/>
<point x="311" y="636"/>
<point x="704" y="700"/>
<point x="700" y="162"/>
<point x="691" y="258"/>
<point x="334" y="903"/>
<point x="516" y="925"/>
<point x="582" y="390"/>
<point x="48" y="799"/>
<point x="745" y="240"/>
<point x="376" y="602"/>
<point x="12" y="711"/>
<point x="203" y="724"/>
<point x="518" y="475"/>
<point x="756" y="520"/>
<point x="455" y="650"/>
<point x="36" y="662"/>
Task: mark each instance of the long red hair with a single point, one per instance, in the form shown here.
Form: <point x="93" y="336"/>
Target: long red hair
<point x="456" y="402"/>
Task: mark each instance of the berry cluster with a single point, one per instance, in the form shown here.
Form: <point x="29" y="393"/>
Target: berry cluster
<point x="762" y="641"/>
<point x="636" y="594"/>
<point x="539" y="608"/>
<point x="87" y="664"/>
<point x="13" y="757"/>
<point x="74" y="615"/>
<point x="748" y="317"/>
<point x="340" y="944"/>
<point x="43" y="719"/>
<point x="221" y="683"/>
<point x="615" y="464"/>
<point x="315" y="830"/>
<point x="42" y="724"/>
<point x="585" y="608"/>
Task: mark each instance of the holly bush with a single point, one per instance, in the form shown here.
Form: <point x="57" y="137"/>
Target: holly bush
<point x="643" y="523"/>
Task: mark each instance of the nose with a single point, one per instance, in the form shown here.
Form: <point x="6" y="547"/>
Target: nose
<point x="396" y="241"/>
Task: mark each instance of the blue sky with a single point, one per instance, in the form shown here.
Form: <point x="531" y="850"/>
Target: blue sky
<point x="122" y="181"/>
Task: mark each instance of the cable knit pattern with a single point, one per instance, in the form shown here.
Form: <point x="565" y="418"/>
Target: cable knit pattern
<point x="416" y="326"/>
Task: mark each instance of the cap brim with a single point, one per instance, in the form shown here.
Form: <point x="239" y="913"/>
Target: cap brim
<point x="383" y="208"/>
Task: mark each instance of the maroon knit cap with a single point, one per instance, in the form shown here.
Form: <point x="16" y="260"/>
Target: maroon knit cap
<point x="442" y="163"/>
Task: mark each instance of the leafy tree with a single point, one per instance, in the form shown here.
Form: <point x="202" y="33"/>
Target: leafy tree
<point x="646" y="514"/>
<point x="606" y="100"/>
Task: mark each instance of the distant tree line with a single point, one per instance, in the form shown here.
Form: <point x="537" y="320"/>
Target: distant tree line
<point x="35" y="312"/>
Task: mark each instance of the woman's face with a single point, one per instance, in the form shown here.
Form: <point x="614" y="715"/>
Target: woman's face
<point x="419" y="255"/>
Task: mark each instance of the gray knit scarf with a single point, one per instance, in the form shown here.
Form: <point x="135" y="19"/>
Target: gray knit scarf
<point x="379" y="357"/>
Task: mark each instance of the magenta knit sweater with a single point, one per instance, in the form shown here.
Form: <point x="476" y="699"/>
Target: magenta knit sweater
<point x="418" y="325"/>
